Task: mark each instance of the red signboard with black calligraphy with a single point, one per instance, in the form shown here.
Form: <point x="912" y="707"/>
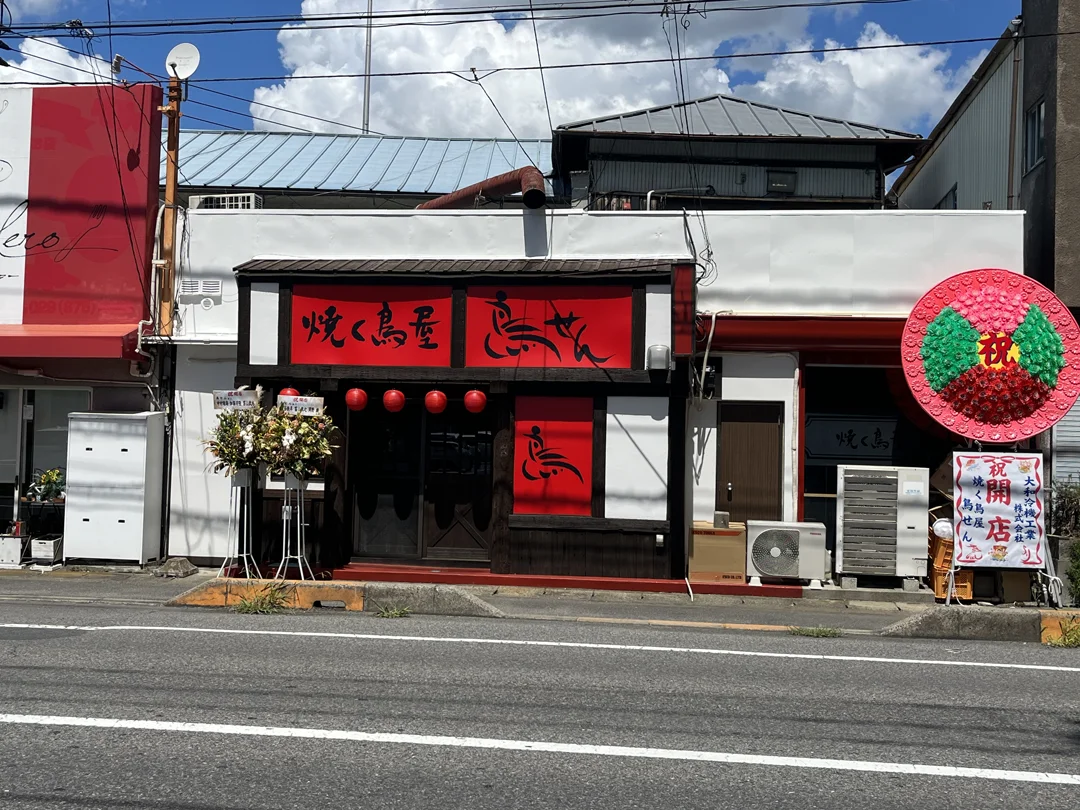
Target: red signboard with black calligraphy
<point x="548" y="327"/>
<point x="553" y="455"/>
<point x="362" y="325"/>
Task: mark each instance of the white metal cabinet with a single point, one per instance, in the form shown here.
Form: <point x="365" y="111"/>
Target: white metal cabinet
<point x="114" y="479"/>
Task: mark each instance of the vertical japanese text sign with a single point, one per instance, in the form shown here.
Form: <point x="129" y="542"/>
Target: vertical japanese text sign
<point x="999" y="510"/>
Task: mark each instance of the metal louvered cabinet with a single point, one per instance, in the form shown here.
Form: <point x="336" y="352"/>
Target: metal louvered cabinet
<point x="881" y="520"/>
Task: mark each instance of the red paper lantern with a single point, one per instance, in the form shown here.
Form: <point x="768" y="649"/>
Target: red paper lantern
<point x="435" y="401"/>
<point x="475" y="401"/>
<point x="289" y="392"/>
<point x="393" y="400"/>
<point x="356" y="399"/>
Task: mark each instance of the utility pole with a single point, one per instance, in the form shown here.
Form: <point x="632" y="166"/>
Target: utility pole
<point x="168" y="239"/>
<point x="367" y="71"/>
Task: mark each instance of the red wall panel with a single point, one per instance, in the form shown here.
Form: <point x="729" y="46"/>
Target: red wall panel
<point x="92" y="207"/>
<point x="361" y="325"/>
<point x="553" y="455"/>
<point x="548" y="327"/>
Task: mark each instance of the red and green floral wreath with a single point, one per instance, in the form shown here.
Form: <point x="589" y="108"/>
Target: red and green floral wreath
<point x="992" y="355"/>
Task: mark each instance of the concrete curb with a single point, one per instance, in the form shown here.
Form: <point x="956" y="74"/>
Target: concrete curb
<point x="298" y="594"/>
<point x="437" y="600"/>
<point x="440" y="600"/>
<point x="876" y="605"/>
<point x="971" y="623"/>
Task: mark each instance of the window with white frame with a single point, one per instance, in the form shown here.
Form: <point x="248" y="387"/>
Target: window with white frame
<point x="1035" y="135"/>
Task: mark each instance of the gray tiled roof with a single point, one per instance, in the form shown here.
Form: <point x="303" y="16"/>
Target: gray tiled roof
<point x="727" y="116"/>
<point x="353" y="163"/>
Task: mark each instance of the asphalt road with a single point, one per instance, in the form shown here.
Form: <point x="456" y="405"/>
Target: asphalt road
<point x="449" y="715"/>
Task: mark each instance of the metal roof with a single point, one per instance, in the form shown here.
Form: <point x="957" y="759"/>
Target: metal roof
<point x="348" y="163"/>
<point x="471" y="267"/>
<point x="727" y="116"/>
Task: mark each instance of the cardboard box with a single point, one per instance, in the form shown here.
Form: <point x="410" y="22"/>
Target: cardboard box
<point x="718" y="555"/>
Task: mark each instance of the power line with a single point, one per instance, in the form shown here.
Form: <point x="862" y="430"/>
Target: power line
<point x="633" y="62"/>
<point x="540" y="64"/>
<point x="619" y="10"/>
<point x="256" y="117"/>
<point x="351" y="19"/>
<point x="286" y="110"/>
<point x="498" y="112"/>
<point x="623" y="62"/>
<point x="213" y="123"/>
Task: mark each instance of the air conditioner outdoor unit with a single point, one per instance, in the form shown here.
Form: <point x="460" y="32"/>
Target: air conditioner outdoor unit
<point x="881" y="520"/>
<point x="226" y="202"/>
<point x="776" y="550"/>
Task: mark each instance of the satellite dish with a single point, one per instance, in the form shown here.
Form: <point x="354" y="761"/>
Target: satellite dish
<point x="182" y="60"/>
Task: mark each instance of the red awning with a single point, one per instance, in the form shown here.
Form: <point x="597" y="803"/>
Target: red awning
<point x="801" y="333"/>
<point x="77" y="341"/>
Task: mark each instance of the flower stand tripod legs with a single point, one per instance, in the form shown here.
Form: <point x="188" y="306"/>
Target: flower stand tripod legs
<point x="292" y="516"/>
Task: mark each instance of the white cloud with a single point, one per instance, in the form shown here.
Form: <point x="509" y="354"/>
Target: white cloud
<point x="43" y="57"/>
<point x="22" y="8"/>
<point x="896" y="88"/>
<point x="447" y="105"/>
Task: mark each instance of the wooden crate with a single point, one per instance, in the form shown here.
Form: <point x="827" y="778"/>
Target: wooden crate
<point x="941" y="552"/>
<point x="965" y="583"/>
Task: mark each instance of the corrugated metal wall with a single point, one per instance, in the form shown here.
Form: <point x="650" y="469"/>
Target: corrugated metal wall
<point x="973" y="154"/>
<point x="640" y="177"/>
<point x="605" y="148"/>
<point x="1066" y="455"/>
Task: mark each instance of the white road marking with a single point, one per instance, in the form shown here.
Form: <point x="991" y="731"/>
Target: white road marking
<point x="906" y="769"/>
<point x="584" y="645"/>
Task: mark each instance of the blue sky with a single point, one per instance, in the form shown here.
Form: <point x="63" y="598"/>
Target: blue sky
<point x="259" y="53"/>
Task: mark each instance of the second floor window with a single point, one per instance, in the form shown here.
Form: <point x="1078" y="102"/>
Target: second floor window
<point x="1035" y="135"/>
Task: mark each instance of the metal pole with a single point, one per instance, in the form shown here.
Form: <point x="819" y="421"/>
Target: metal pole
<point x="168" y="238"/>
<point x="367" y="71"/>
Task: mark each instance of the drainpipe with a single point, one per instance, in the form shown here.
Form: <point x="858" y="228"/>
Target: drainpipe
<point x="528" y="180"/>
<point x="1012" y="117"/>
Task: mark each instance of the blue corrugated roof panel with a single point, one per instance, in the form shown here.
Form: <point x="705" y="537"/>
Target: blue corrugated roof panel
<point x="357" y="163"/>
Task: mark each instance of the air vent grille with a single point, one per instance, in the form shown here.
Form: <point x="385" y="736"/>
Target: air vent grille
<point x="869" y="522"/>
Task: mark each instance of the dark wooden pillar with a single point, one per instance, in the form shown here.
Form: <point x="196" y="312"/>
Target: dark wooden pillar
<point x="502" y="483"/>
<point x="336" y="543"/>
<point x="678" y="535"/>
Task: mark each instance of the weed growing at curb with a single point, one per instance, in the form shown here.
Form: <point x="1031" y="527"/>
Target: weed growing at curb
<point x="393" y="611"/>
<point x="271" y="599"/>
<point x="1070" y="634"/>
<point x="816" y="632"/>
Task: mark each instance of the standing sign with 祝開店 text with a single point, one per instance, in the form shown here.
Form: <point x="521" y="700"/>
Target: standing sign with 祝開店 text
<point x="240" y="400"/>
<point x="306" y="406"/>
<point x="999" y="510"/>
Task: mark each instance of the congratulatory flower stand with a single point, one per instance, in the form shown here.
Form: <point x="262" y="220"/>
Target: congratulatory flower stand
<point x="292" y="440"/>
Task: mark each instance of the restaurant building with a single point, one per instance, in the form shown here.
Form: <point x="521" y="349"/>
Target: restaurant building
<point x="537" y="395"/>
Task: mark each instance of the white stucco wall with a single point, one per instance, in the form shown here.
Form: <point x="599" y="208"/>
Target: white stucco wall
<point x="775" y="262"/>
<point x="636" y="465"/>
<point x="199" y="503"/>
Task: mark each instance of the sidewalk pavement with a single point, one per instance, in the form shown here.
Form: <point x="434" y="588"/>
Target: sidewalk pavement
<point x="90" y="587"/>
<point x="878" y="613"/>
<point x="758" y="613"/>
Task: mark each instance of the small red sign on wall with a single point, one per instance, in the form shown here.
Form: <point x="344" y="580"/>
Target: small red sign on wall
<point x="553" y="455"/>
<point x="370" y="326"/>
<point x="548" y="327"/>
